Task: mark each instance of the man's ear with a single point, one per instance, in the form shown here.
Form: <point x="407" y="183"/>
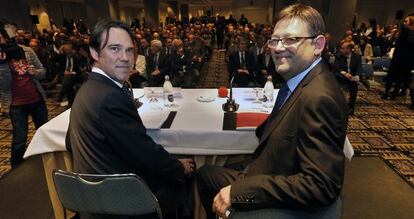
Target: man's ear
<point x="320" y="42"/>
<point x="94" y="54"/>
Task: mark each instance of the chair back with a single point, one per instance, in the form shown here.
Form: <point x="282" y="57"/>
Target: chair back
<point x="367" y="70"/>
<point x="382" y="63"/>
<point x="376" y="51"/>
<point x="334" y="211"/>
<point x="114" y="194"/>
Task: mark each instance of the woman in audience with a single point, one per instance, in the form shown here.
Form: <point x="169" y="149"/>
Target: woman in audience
<point x="27" y="99"/>
<point x="365" y="50"/>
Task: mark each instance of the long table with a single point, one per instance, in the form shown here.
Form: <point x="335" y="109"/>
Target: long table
<point x="197" y="129"/>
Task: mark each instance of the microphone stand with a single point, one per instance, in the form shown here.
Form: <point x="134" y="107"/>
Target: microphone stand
<point x="230" y="105"/>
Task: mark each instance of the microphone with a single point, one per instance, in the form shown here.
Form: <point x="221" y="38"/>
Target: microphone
<point x="230" y="105"/>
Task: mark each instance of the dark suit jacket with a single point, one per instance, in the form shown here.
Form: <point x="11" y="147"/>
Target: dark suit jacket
<point x="61" y="59"/>
<point x="178" y="62"/>
<point x="163" y="66"/>
<point x="341" y="64"/>
<point x="235" y="64"/>
<point x="106" y="136"/>
<point x="270" y="68"/>
<point x="299" y="161"/>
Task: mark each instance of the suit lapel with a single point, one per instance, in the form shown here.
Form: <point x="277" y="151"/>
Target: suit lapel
<point x="290" y="102"/>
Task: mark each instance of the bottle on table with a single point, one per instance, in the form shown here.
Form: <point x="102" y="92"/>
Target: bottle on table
<point x="168" y="92"/>
<point x="268" y="91"/>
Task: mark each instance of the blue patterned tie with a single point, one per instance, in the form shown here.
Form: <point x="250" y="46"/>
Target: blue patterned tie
<point x="281" y="97"/>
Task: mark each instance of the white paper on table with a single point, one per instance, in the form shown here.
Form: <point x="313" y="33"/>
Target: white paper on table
<point x="154" y="120"/>
<point x="207" y="121"/>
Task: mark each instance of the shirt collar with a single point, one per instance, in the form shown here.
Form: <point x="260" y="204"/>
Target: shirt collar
<point x="100" y="71"/>
<point x="294" y="82"/>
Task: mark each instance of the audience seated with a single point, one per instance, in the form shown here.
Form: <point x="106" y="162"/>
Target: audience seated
<point x="181" y="69"/>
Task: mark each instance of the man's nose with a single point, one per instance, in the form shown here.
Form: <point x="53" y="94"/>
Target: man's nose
<point x="124" y="56"/>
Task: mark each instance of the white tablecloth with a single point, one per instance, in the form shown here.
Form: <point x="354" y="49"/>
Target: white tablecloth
<point x="196" y="129"/>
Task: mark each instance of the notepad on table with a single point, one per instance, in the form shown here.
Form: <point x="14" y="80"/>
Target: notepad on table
<point x="250" y="120"/>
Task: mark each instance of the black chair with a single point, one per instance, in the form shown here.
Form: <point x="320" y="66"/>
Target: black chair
<point x="333" y="211"/>
<point x="114" y="194"/>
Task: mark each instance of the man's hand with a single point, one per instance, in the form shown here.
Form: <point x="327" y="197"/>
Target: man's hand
<point x="188" y="165"/>
<point x="243" y="71"/>
<point x="348" y="75"/>
<point x="69" y="73"/>
<point x="156" y="72"/>
<point x="2" y="56"/>
<point x="133" y="71"/>
<point x="31" y="70"/>
<point x="264" y="72"/>
<point x="222" y="202"/>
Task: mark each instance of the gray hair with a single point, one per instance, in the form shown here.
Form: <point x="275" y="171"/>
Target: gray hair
<point x="156" y="43"/>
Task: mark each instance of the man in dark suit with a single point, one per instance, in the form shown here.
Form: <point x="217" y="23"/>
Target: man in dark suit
<point x="241" y="65"/>
<point x="106" y="133"/>
<point x="181" y="70"/>
<point x="348" y="68"/>
<point x="299" y="162"/>
<point x="266" y="67"/>
<point x="70" y="70"/>
<point x="158" y="65"/>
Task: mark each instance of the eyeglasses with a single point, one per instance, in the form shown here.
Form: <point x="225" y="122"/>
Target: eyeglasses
<point x="286" y="41"/>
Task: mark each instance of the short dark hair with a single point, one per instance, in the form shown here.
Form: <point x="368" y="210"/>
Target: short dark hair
<point x="307" y="14"/>
<point x="103" y="26"/>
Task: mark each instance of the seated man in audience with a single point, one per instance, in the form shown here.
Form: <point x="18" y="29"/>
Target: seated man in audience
<point x="348" y="68"/>
<point x="258" y="46"/>
<point x="145" y="51"/>
<point x="158" y="65"/>
<point x="266" y="67"/>
<point x="106" y="134"/>
<point x="241" y="65"/>
<point x="138" y="74"/>
<point x="299" y="163"/>
<point x="198" y="53"/>
<point x="181" y="70"/>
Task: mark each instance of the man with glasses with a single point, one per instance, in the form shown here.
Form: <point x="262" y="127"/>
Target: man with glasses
<point x="299" y="162"/>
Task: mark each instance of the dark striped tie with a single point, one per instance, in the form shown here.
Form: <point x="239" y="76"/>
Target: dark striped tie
<point x="127" y="91"/>
<point x="281" y="96"/>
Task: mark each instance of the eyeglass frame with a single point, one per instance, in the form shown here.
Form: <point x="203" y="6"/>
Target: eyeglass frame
<point x="282" y="40"/>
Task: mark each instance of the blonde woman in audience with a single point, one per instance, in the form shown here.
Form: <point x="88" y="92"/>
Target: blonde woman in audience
<point x="365" y="50"/>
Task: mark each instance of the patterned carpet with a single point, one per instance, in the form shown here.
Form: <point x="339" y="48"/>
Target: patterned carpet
<point x="379" y="127"/>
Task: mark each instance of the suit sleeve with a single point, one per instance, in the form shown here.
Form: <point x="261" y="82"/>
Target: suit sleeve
<point x="337" y="68"/>
<point x="320" y="161"/>
<point x="125" y="132"/>
<point x="232" y="65"/>
<point x="358" y="70"/>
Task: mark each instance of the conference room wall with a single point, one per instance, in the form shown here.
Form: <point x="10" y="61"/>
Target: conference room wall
<point x="382" y="10"/>
<point x="16" y="11"/>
